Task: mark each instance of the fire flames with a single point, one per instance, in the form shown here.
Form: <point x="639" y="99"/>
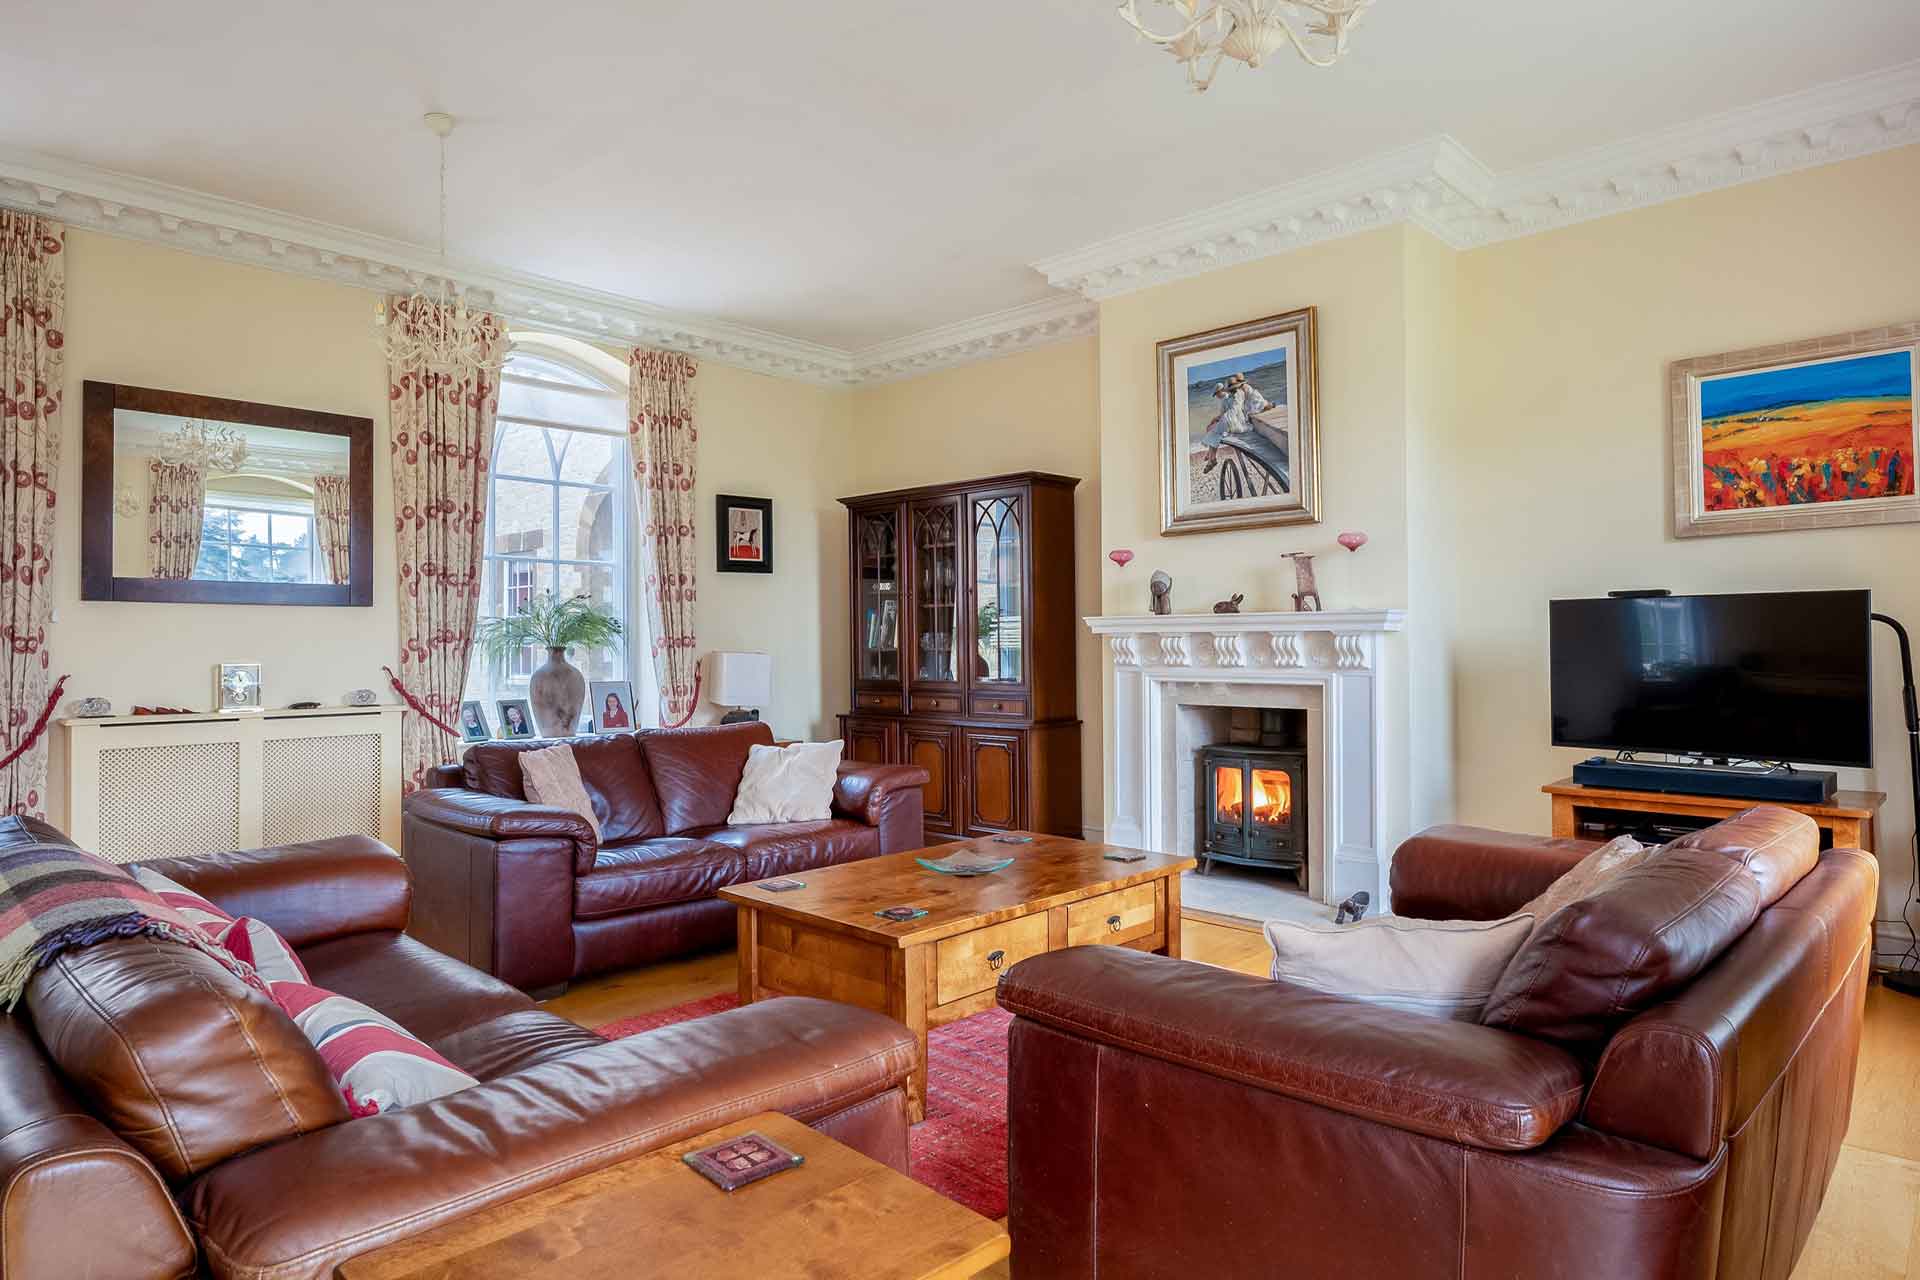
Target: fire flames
<point x="1272" y="795"/>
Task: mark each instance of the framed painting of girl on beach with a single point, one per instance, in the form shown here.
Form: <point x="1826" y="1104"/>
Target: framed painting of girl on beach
<point x="1803" y="435"/>
<point x="1239" y="430"/>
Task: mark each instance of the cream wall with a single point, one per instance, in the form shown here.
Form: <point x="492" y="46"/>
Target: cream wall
<point x="1031" y="411"/>
<point x="1359" y="287"/>
<point x="157" y="317"/>
<point x="1561" y="469"/>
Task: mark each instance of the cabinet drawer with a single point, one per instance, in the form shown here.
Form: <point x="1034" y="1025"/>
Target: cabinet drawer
<point x="877" y="701"/>
<point x="974" y="961"/>
<point x="993" y="704"/>
<point x="1116" y="917"/>
<point x="936" y="703"/>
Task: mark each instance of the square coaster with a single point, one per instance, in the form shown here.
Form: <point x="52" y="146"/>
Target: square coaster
<point x="734" y="1163"/>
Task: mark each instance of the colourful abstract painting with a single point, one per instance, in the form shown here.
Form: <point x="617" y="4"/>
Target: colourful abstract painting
<point x="1826" y="431"/>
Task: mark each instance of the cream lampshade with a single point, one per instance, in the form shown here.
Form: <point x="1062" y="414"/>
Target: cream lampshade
<point x="743" y="681"/>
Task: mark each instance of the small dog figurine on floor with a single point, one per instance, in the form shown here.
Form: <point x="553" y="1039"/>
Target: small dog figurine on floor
<point x="1353" y="908"/>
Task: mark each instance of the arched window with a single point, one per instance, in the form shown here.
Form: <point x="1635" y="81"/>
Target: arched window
<point x="560" y="514"/>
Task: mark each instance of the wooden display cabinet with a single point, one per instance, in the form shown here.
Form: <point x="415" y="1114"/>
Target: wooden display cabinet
<point x="964" y="630"/>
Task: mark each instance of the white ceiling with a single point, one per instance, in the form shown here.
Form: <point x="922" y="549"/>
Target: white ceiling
<point x="839" y="172"/>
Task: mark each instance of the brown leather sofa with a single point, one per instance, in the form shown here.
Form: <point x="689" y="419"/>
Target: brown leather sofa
<point x="526" y="893"/>
<point x="167" y="1048"/>
<point x="1169" y="1118"/>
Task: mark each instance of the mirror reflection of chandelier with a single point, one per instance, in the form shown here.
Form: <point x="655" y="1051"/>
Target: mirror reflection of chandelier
<point x="1250" y="30"/>
<point x="212" y="447"/>
<point x="436" y="329"/>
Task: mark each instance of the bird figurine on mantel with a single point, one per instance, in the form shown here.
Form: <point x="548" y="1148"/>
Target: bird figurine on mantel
<point x="1306" y="596"/>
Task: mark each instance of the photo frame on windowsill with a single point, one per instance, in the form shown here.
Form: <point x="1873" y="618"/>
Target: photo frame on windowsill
<point x="743" y="538"/>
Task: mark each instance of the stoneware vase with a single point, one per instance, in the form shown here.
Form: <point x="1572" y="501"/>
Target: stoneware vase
<point x="557" y="691"/>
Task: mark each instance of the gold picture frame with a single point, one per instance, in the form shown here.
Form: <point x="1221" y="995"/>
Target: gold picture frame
<point x="1240" y="426"/>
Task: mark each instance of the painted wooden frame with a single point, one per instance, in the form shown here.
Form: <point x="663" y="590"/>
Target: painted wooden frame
<point x="1262" y="448"/>
<point x="1764" y="479"/>
<point x="97" y="581"/>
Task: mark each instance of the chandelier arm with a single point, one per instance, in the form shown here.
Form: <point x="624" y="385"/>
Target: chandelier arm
<point x="1130" y="15"/>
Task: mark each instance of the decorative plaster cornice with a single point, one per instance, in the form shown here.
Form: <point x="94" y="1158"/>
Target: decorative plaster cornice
<point x="140" y="209"/>
<point x="1440" y="186"/>
<point x="984" y="337"/>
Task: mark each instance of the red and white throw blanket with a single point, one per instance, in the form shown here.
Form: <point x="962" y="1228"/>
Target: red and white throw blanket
<point x="54" y="898"/>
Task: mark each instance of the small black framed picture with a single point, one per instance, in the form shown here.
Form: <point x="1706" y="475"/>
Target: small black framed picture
<point x="745" y="540"/>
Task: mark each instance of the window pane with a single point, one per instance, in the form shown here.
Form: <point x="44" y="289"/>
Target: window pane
<point x="599" y="585"/>
<point x="521" y="451"/>
<point x="251" y="526"/>
<point x="252" y="563"/>
<point x="592" y="459"/>
<point x="214" y="523"/>
<point x="588" y="524"/>
<point x="522" y="518"/>
<point x="212" y="564"/>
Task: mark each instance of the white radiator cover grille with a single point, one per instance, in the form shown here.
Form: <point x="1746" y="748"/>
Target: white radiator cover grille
<point x="319" y="787"/>
<point x="167" y="801"/>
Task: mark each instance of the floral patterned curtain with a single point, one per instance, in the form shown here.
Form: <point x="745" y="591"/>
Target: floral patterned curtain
<point x="331" y="498"/>
<point x="176" y="510"/>
<point x="664" y="440"/>
<point x="443" y="393"/>
<point x="33" y="304"/>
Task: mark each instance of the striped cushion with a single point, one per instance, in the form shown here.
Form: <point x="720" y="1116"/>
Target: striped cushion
<point x="184" y="900"/>
<point x="378" y="1064"/>
<point x="257" y="944"/>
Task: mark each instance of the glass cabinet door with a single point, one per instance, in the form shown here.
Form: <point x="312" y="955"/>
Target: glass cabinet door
<point x="936" y="590"/>
<point x="998" y="627"/>
<point x="877" y="547"/>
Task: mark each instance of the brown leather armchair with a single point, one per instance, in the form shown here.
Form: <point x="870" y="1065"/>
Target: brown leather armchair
<point x="525" y="892"/>
<point x="1167" y="1118"/>
<point x="80" y="1197"/>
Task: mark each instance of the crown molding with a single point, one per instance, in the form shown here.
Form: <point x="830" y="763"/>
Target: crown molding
<point x="998" y="333"/>
<point x="1440" y="186"/>
<point x="139" y="209"/>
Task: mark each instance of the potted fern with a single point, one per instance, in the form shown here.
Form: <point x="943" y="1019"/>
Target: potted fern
<point x="557" y="690"/>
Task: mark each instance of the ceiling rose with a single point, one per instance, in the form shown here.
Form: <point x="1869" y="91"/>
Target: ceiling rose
<point x="1250" y="30"/>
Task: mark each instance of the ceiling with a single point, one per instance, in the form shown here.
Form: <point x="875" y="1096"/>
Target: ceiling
<point x="837" y="172"/>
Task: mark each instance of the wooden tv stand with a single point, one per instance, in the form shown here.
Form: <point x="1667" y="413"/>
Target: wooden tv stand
<point x="1600" y="813"/>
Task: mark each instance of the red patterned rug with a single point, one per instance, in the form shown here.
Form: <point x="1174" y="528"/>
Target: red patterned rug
<point x="961" y="1149"/>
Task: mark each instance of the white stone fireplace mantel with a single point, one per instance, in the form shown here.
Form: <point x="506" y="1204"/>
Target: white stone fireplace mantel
<point x="1328" y="663"/>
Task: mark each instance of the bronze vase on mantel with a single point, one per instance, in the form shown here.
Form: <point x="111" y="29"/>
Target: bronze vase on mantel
<point x="556" y="692"/>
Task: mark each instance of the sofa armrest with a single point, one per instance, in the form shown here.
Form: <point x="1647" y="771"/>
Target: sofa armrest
<point x="1457" y="1081"/>
<point x="491" y="817"/>
<point x="307" y="893"/>
<point x="294" y="1211"/>
<point x="887" y="796"/>
<point x="1473" y="873"/>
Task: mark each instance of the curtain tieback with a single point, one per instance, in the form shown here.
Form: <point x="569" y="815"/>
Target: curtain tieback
<point x="40" y="725"/>
<point x="692" y="706"/>
<point x="406" y="696"/>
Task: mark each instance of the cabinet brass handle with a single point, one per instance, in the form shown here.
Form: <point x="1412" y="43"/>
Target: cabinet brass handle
<point x="1113" y="924"/>
<point x="995" y="959"/>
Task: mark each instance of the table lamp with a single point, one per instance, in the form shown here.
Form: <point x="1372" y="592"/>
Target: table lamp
<point x="743" y="681"/>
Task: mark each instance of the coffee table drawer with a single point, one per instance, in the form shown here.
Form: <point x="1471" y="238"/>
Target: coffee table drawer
<point x="974" y="961"/>
<point x="1115" y="917"/>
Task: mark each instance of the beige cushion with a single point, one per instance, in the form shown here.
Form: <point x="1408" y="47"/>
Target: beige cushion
<point x="787" y="784"/>
<point x="1587" y="877"/>
<point x="551" y="776"/>
<point x="1446" y="968"/>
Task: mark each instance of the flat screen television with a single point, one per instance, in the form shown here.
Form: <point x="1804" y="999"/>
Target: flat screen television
<point x="1779" y="676"/>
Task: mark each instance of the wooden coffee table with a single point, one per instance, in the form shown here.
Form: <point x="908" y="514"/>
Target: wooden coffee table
<point x="839" y="1214"/>
<point x="825" y="940"/>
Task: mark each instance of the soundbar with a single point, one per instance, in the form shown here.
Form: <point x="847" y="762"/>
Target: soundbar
<point x="1787" y="786"/>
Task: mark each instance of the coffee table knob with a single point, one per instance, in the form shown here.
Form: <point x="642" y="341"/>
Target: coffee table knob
<point x="995" y="959"/>
<point x="1113" y="924"/>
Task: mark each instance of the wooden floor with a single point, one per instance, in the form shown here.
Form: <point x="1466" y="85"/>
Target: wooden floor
<point x="1869" y="1229"/>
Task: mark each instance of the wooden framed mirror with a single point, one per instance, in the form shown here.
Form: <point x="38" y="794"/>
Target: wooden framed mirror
<point x="200" y="500"/>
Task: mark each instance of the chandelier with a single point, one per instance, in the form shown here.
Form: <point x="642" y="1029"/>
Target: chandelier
<point x="436" y="329"/>
<point x="210" y="446"/>
<point x="1250" y="30"/>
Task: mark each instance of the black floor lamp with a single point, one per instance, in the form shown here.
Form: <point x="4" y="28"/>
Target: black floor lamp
<point x="1907" y="981"/>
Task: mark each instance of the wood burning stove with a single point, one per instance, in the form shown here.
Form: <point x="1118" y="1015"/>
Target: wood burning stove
<point x="1252" y="803"/>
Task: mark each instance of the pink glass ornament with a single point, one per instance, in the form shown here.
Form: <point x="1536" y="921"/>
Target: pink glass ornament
<point x="1352" y="541"/>
<point x="1122" y="557"/>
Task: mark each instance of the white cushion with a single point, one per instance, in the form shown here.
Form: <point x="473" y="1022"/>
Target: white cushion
<point x="787" y="784"/>
<point x="1446" y="968"/>
<point x="551" y="776"/>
